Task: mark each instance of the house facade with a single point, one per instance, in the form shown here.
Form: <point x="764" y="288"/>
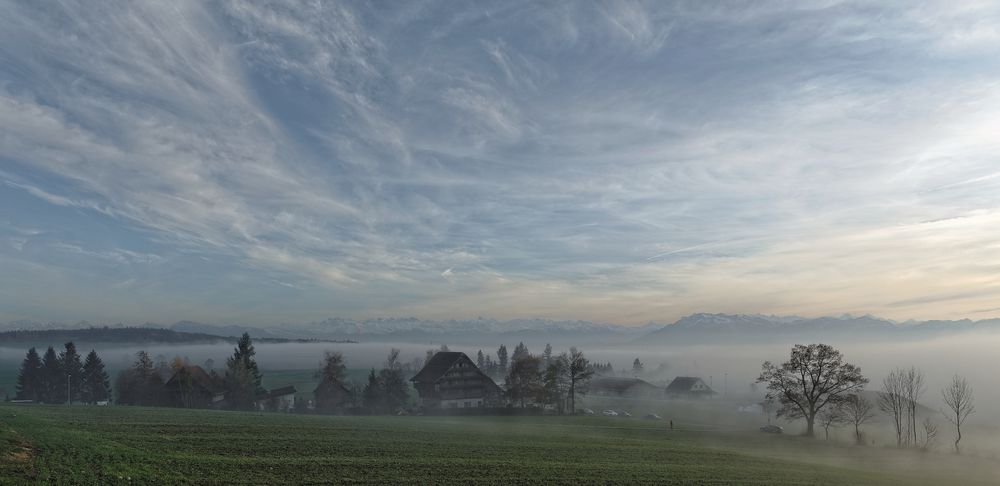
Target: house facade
<point x="279" y="400"/>
<point x="688" y="387"/>
<point x="452" y="380"/>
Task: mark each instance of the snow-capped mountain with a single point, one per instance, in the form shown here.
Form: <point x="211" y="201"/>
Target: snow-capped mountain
<point x="695" y="328"/>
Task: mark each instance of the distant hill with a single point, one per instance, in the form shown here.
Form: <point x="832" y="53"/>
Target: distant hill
<point x="692" y="329"/>
<point x="124" y="335"/>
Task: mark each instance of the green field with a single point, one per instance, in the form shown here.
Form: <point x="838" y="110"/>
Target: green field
<point x="60" y="444"/>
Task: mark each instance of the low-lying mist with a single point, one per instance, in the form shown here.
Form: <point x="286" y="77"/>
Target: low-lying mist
<point x="730" y="368"/>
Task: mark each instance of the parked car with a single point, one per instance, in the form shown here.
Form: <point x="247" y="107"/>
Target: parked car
<point x="772" y="429"/>
<point x="652" y="416"/>
<point x="588" y="411"/>
<point x="623" y="413"/>
<point x="609" y="413"/>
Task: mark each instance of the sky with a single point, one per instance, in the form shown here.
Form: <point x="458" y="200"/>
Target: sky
<point x="626" y="162"/>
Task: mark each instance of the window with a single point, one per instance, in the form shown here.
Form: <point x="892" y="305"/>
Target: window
<point x="468" y="404"/>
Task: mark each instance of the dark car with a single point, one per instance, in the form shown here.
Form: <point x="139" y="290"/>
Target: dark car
<point x="772" y="429"/>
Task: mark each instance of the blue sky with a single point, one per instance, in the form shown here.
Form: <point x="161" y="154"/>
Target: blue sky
<point x="258" y="162"/>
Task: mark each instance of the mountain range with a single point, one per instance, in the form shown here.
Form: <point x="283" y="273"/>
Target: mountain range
<point x="695" y="328"/>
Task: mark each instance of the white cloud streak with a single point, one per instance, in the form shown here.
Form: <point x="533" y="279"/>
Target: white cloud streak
<point x="622" y="161"/>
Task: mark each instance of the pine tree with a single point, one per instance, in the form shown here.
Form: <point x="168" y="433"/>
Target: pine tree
<point x="329" y="392"/>
<point x="95" y="384"/>
<point x="637" y="367"/>
<point x="520" y="351"/>
<point x="481" y="361"/>
<point x="141" y="384"/>
<point x="242" y="375"/>
<point x="53" y="382"/>
<point x="580" y="372"/>
<point x="371" y="397"/>
<point x="72" y="369"/>
<point x="393" y="382"/>
<point x="502" y="360"/>
<point x="29" y="380"/>
<point x="547" y="355"/>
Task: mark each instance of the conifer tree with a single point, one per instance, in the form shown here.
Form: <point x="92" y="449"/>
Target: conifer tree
<point x="29" y="379"/>
<point x="95" y="384"/>
<point x="242" y="376"/>
<point x="502" y="360"/>
<point x="53" y="382"/>
<point x="72" y="370"/>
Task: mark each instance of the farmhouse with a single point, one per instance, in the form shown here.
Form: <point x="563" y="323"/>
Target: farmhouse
<point x="332" y="396"/>
<point x="279" y="399"/>
<point x="452" y="380"/>
<point x="192" y="387"/>
<point x="688" y="387"/>
<point x="612" y="386"/>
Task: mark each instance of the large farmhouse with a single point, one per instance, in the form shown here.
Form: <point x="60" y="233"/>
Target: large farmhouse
<point x="688" y="387"/>
<point x="452" y="380"/>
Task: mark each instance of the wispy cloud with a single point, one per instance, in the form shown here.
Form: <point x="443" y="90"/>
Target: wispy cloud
<point x="622" y="161"/>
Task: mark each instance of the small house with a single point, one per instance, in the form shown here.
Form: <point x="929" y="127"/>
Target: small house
<point x="278" y="400"/>
<point x="332" y="396"/>
<point x="451" y="380"/>
<point x="688" y="387"/>
<point x="613" y="386"/>
<point x="191" y="387"/>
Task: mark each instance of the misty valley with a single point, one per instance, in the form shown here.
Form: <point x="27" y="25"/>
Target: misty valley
<point x="500" y="242"/>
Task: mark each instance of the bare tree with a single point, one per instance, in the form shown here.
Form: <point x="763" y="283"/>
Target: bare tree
<point x="814" y="377"/>
<point x="914" y="387"/>
<point x="900" y="397"/>
<point x="768" y="406"/>
<point x="958" y="397"/>
<point x="858" y="410"/>
<point x="892" y="400"/>
<point x="832" y="416"/>
<point x="930" y="434"/>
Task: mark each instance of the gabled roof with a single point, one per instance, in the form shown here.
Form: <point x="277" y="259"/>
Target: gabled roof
<point x="197" y="376"/>
<point x="618" y="384"/>
<point x="325" y="384"/>
<point x="280" y="392"/>
<point x="437" y="366"/>
<point x="683" y="384"/>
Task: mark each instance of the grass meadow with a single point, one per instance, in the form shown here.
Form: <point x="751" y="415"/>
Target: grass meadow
<point x="118" y="445"/>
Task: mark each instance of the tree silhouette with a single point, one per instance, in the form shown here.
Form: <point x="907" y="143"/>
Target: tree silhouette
<point x="814" y="377"/>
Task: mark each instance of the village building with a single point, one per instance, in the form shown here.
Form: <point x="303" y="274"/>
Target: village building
<point x="332" y="397"/>
<point x="688" y="387"/>
<point x="192" y="387"/>
<point x="452" y="380"/>
<point x="613" y="386"/>
<point x="278" y="400"/>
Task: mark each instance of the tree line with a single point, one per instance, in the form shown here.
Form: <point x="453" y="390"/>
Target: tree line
<point x="817" y="385"/>
<point x="62" y="378"/>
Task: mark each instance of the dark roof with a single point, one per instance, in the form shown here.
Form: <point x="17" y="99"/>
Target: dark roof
<point x="682" y="384"/>
<point x="197" y="376"/>
<point x="437" y="366"/>
<point x="280" y="392"/>
<point x="343" y="388"/>
<point x="618" y="384"/>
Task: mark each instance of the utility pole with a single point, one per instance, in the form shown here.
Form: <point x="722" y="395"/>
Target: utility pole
<point x="725" y="385"/>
